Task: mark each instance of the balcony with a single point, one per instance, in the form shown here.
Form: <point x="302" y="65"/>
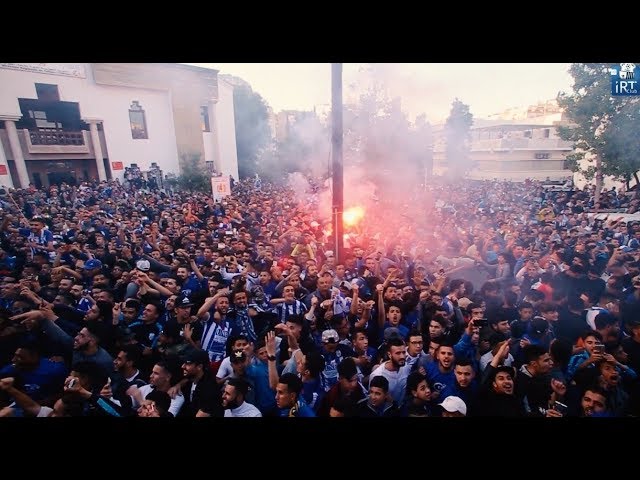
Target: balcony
<point x="51" y="140"/>
<point x="53" y="136"/>
<point x="521" y="144"/>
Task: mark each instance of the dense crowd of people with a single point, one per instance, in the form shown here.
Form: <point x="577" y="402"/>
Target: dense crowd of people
<point x="459" y="299"/>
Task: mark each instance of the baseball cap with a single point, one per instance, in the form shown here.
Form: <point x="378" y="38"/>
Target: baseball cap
<point x="237" y="356"/>
<point x="93" y="263"/>
<point x="197" y="356"/>
<point x="184" y="301"/>
<point x="539" y="325"/>
<point x="454" y="404"/>
<point x="143" y="265"/>
<point x="123" y="264"/>
<point x="330" y="336"/>
<point x="216" y="276"/>
<point x="329" y="253"/>
<point x="391" y="332"/>
<point x="464" y="302"/>
<point x="345" y="284"/>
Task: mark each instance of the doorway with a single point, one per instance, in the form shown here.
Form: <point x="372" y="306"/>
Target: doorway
<point x="37" y="181"/>
<point x="61" y="177"/>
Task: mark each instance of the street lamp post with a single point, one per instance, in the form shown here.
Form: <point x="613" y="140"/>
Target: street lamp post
<point x="336" y="143"/>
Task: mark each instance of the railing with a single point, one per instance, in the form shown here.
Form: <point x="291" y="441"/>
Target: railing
<point x="519" y="143"/>
<point x="52" y="136"/>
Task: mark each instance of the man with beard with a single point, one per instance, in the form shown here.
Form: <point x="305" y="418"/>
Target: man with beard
<point x="233" y="395"/>
<point x="465" y="386"/>
<point x="201" y="392"/>
<point x="533" y="381"/>
<point x="215" y="329"/>
<point x="594" y="402"/>
<point x="607" y="375"/>
<point x="85" y="346"/>
<point x="395" y="370"/>
<point x="162" y="379"/>
<point x="242" y="315"/>
<point x="440" y="373"/>
<point x="125" y="373"/>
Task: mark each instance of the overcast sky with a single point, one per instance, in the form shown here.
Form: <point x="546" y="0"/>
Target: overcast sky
<point x="424" y="88"/>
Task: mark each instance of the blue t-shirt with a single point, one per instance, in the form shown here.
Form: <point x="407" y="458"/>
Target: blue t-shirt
<point x="439" y="380"/>
<point x="312" y="393"/>
<point x="193" y="284"/>
<point x="46" y="380"/>
<point x="265" y="396"/>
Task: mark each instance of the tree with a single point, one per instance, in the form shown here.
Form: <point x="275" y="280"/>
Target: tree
<point x="253" y="133"/>
<point x="603" y="128"/>
<point x="193" y="175"/>
<point x="304" y="148"/>
<point x="458" y="138"/>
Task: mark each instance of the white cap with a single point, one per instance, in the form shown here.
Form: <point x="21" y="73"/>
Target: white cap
<point x="330" y="336"/>
<point x="454" y="404"/>
<point x="143" y="265"/>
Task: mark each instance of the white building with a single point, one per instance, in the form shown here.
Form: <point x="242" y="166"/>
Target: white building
<point x="515" y="145"/>
<point x="73" y="122"/>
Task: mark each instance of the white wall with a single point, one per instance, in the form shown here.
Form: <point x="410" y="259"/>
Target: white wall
<point x="110" y="104"/>
<point x="227" y="130"/>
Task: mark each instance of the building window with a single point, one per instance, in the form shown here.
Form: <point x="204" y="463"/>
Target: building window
<point x="204" y="119"/>
<point x="527" y="134"/>
<point x="41" y="121"/>
<point x="138" y="122"/>
<point x="47" y="92"/>
<point x="545" y="133"/>
<point x="542" y="156"/>
<point x="210" y="169"/>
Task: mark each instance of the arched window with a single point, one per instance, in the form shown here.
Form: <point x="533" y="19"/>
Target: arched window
<point x="138" y="121"/>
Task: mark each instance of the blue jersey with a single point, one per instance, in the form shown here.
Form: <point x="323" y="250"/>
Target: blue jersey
<point x="214" y="338"/>
<point x="43" y="239"/>
<point x="331" y="361"/>
<point x="300" y="409"/>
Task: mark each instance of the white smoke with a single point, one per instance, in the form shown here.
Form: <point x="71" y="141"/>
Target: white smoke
<point x="300" y="187"/>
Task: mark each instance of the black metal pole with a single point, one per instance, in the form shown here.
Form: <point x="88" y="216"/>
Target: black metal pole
<point x="336" y="142"/>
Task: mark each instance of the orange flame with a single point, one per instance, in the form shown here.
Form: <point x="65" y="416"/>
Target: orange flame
<point x="352" y="216"/>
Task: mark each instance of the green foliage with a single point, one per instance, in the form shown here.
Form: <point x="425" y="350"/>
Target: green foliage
<point x="193" y="175"/>
<point x="458" y="138"/>
<point x="602" y="127"/>
<point x="252" y="128"/>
